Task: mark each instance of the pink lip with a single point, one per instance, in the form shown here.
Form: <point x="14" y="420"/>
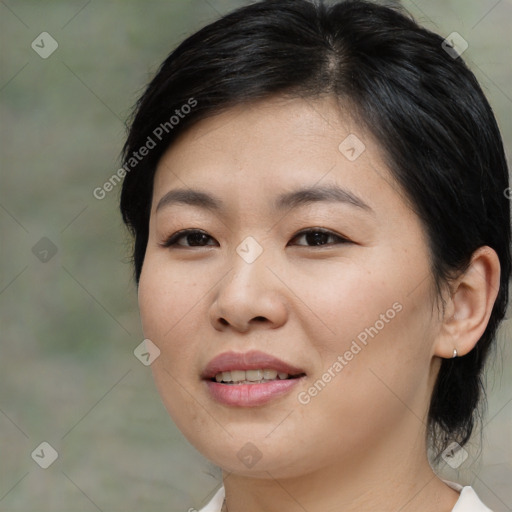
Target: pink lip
<point x="248" y="395"/>
<point x="252" y="360"/>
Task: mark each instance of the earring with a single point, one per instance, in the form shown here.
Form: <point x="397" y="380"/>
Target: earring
<point x="454" y="353"/>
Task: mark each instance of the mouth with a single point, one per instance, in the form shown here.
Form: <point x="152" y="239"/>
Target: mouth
<point x="249" y="367"/>
<point x="249" y="379"/>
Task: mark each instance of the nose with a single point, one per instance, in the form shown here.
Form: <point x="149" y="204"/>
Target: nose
<point x="250" y="296"/>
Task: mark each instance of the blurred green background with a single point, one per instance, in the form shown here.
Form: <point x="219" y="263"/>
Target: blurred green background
<point x="69" y="325"/>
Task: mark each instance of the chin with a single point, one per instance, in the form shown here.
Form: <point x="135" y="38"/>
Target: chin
<point x="255" y="456"/>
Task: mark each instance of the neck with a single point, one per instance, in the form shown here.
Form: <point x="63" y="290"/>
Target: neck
<point x="386" y="477"/>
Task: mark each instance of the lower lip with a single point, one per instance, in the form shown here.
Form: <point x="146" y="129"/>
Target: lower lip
<point x="250" y="395"/>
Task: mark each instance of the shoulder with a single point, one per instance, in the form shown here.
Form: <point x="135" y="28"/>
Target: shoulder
<point x="215" y="504"/>
<point x="468" y="501"/>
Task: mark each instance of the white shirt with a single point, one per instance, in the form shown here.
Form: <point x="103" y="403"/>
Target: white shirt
<point x="468" y="501"/>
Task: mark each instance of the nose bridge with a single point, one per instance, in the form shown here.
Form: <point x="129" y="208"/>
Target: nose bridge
<point x="250" y="290"/>
<point x="249" y="262"/>
<point x="250" y="250"/>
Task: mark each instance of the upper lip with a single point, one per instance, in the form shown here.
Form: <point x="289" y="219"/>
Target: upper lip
<point x="252" y="360"/>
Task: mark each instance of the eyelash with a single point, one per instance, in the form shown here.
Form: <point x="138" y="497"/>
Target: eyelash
<point x="171" y="240"/>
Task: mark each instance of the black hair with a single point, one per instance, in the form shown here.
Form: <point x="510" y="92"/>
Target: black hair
<point x="399" y="80"/>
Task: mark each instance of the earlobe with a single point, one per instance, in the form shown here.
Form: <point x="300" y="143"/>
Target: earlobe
<point x="469" y="306"/>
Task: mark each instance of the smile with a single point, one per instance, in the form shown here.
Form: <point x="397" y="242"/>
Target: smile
<point x="249" y="379"/>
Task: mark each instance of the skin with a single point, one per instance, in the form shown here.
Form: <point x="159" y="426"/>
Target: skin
<point x="359" y="444"/>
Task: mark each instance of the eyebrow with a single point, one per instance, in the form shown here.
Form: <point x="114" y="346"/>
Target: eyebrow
<point x="288" y="200"/>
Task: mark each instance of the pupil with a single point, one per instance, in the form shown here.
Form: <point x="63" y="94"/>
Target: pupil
<point x="196" y="238"/>
<point x="316" y="236"/>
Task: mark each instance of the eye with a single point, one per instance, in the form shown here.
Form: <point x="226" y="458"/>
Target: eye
<point x="195" y="238"/>
<point x="318" y="236"/>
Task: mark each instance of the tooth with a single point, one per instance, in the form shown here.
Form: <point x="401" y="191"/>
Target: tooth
<point x="246" y="376"/>
<point x="269" y="374"/>
<point x="237" y="375"/>
<point x="253" y="375"/>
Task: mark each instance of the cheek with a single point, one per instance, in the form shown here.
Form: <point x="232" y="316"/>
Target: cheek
<point x="377" y="344"/>
<point x="167" y="302"/>
<point x="384" y="372"/>
<point x="165" y="297"/>
<point x="346" y="301"/>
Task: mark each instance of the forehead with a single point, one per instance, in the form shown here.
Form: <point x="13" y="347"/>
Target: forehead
<point x="275" y="145"/>
<point x="270" y="122"/>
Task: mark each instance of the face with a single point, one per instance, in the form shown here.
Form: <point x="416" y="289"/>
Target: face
<point x="332" y="287"/>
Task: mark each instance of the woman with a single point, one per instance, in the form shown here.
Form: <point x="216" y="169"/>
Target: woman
<point x="322" y="253"/>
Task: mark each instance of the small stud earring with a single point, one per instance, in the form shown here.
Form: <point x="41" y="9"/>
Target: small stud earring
<point x="454" y="353"/>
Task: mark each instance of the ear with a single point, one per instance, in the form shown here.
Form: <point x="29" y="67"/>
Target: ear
<point x="470" y="304"/>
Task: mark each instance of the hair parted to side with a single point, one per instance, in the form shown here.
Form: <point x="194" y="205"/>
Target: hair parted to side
<point x="423" y="106"/>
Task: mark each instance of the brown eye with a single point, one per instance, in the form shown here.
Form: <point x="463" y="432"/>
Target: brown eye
<point x="194" y="237"/>
<point x="319" y="237"/>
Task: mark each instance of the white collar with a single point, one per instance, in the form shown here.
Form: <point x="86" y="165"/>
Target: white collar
<point x="467" y="502"/>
